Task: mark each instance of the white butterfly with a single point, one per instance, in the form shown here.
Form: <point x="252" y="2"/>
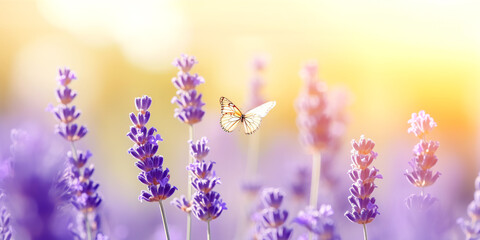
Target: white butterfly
<point x="232" y="116"/>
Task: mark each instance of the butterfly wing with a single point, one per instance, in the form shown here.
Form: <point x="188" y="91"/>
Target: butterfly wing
<point x="253" y="118"/>
<point x="231" y="115"/>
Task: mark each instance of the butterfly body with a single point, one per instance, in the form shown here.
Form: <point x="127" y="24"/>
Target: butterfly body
<point x="232" y="116"/>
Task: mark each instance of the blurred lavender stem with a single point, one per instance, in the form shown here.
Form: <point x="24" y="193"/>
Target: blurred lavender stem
<point x="87" y="223"/>
<point x="189" y="186"/>
<point x="252" y="155"/>
<point x="365" y="237"/>
<point x="255" y="98"/>
<point x="316" y="165"/>
<point x="209" y="237"/>
<point x="164" y="219"/>
<point x="314" y="184"/>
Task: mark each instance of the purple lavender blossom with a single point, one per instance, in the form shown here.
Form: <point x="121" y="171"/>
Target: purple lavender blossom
<point x="188" y="100"/>
<point x="144" y="150"/>
<point x="83" y="189"/>
<point x="65" y="95"/>
<point x="151" y="165"/>
<point x="471" y="226"/>
<point x="199" y="150"/>
<point x="182" y="203"/>
<point x="312" y="119"/>
<point x="272" y="198"/>
<point x="65" y="76"/>
<point x="206" y="204"/>
<point x="185" y="63"/>
<point x="420" y="202"/>
<point x="424" y="157"/>
<point x="280" y="233"/>
<point x="271" y="220"/>
<point x="364" y="209"/>
<point x="425" y="216"/>
<point x="421" y="124"/>
<point x="318" y="222"/>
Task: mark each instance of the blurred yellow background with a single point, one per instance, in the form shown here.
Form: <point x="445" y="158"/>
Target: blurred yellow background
<point x="395" y="57"/>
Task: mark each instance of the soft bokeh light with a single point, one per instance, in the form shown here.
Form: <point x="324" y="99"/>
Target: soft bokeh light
<point x="394" y="57"/>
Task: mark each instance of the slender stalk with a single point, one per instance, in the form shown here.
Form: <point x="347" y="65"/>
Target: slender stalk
<point x="87" y="225"/>
<point x="189" y="187"/>
<point x="189" y="225"/>
<point x="209" y="236"/>
<point x="87" y="222"/>
<point x="74" y="150"/>
<point x="314" y="185"/>
<point x="365" y="237"/>
<point x="250" y="175"/>
<point x="252" y="155"/>
<point x="164" y="219"/>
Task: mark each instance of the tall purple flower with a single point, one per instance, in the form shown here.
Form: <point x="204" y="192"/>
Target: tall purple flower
<point x="206" y="204"/>
<point x="424" y="157"/>
<point x="144" y="150"/>
<point x="471" y="226"/>
<point x="189" y="102"/>
<point x="189" y="109"/>
<point x="425" y="217"/>
<point x="271" y="219"/>
<point x="83" y="189"/>
<point x="364" y="209"/>
<point x="313" y="121"/>
<point x="318" y="222"/>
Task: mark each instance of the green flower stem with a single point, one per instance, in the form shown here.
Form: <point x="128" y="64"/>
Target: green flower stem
<point x="314" y="185"/>
<point x="209" y="236"/>
<point x="365" y="237"/>
<point x="164" y="219"/>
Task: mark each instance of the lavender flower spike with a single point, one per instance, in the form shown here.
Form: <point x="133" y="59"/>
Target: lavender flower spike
<point x="471" y="226"/>
<point x="79" y="176"/>
<point x="318" y="222"/>
<point x="188" y="100"/>
<point x="424" y="157"/>
<point x="189" y="109"/>
<point x="206" y="204"/>
<point x="364" y="209"/>
<point x="311" y="105"/>
<point x="144" y="150"/>
<point x="271" y="223"/>
<point x="185" y="63"/>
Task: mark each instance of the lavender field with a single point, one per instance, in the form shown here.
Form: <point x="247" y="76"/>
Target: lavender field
<point x="261" y="120"/>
